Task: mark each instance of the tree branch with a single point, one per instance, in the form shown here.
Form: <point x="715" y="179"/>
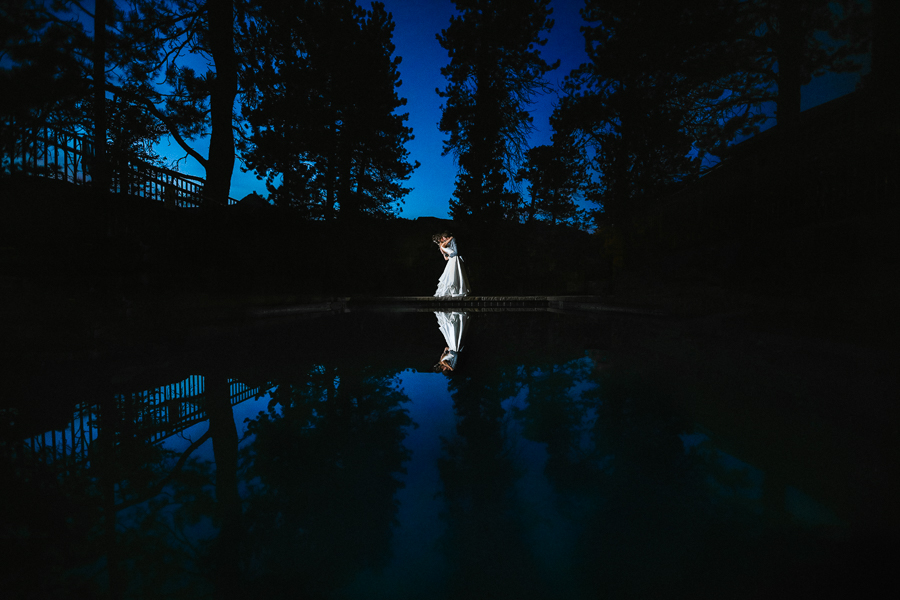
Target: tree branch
<point x="173" y="130"/>
<point x="158" y="488"/>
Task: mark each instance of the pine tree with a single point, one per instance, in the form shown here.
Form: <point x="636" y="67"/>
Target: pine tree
<point x="554" y="175"/>
<point x="495" y="70"/>
<point x="161" y="40"/>
<point x="59" y="71"/>
<point x="127" y="59"/>
<point x="323" y="113"/>
<point x="667" y="85"/>
<point x="792" y="41"/>
<point x="664" y="86"/>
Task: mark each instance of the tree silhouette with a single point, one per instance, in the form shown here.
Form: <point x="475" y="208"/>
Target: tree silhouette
<point x="161" y="36"/>
<point x="555" y="415"/>
<point x="495" y="70"/>
<point x="792" y="41"/>
<point x="110" y="526"/>
<point x="220" y="16"/>
<point x="46" y="60"/>
<point x="485" y="541"/>
<point x="100" y="171"/>
<point x="53" y="63"/>
<point x="322" y="478"/>
<point x="138" y="57"/>
<point x="322" y="112"/>
<point x="554" y="174"/>
<point x="223" y="432"/>
<point x="664" y="86"/>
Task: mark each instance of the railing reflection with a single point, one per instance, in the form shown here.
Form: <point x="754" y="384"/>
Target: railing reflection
<point x="157" y="413"/>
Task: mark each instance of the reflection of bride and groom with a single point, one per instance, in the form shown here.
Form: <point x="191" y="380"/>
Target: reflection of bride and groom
<point x="453" y="326"/>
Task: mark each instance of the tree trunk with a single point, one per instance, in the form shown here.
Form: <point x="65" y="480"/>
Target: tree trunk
<point x="349" y="206"/>
<point x="224" y="90"/>
<point x="105" y="466"/>
<point x="329" y="188"/>
<point x="789" y="51"/>
<point x="228" y="503"/>
<point x="480" y="197"/>
<point x="886" y="50"/>
<point x="100" y="166"/>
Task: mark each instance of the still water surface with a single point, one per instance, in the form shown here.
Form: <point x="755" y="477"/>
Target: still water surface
<point x="561" y="457"/>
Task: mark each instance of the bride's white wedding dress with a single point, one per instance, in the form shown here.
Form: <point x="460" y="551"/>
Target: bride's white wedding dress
<point x="453" y="281"/>
<point x="453" y="326"/>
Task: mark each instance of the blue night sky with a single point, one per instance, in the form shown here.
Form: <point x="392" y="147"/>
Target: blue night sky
<point x="417" y="24"/>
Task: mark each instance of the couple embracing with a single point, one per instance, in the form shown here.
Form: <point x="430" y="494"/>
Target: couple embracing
<point x="453" y="281"/>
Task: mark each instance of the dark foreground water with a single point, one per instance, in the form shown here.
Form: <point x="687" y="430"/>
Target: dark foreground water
<point x="563" y="457"/>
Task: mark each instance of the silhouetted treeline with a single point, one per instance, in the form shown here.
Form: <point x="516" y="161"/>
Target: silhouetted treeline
<point x="319" y="75"/>
<point x="321" y="105"/>
<point x="118" y="73"/>
<point x="814" y="218"/>
<point x="664" y="92"/>
<point x="64" y="238"/>
<point x="668" y="87"/>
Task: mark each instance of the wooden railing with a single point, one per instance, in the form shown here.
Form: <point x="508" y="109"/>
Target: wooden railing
<point x="138" y="178"/>
<point x="47" y="151"/>
<point x="44" y="151"/>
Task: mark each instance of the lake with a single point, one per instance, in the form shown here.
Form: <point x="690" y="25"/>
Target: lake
<point x="553" y="455"/>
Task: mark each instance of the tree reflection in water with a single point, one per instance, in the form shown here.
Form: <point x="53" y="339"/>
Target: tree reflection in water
<point x="113" y="527"/>
<point x="559" y="475"/>
<point x="633" y="513"/>
<point x="321" y="474"/>
<point x="307" y="503"/>
<point x="484" y="541"/>
<point x="652" y="521"/>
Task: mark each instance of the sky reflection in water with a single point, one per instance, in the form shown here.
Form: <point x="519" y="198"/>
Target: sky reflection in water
<point x="554" y="462"/>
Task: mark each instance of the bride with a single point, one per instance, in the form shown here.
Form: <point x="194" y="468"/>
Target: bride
<point x="453" y="327"/>
<point x="453" y="281"/>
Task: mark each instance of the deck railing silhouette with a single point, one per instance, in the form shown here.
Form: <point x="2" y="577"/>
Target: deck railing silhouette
<point x="48" y="151"/>
<point x="156" y="414"/>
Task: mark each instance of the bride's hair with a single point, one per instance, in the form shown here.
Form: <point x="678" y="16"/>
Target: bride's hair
<point x="441" y="367"/>
<point x="436" y="238"/>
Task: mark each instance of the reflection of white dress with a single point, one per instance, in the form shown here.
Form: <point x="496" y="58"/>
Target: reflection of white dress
<point x="453" y="281"/>
<point x="453" y="326"/>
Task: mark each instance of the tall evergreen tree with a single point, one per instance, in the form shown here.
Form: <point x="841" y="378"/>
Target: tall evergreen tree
<point x="146" y="42"/>
<point x="381" y="160"/>
<point x="44" y="57"/>
<point x="664" y="86"/>
<point x="792" y="41"/>
<point x="220" y="17"/>
<point x="495" y="71"/>
<point x="323" y="117"/>
<point x="554" y="174"/>
<point x="163" y="39"/>
<point x="58" y="69"/>
<point x="101" y="172"/>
